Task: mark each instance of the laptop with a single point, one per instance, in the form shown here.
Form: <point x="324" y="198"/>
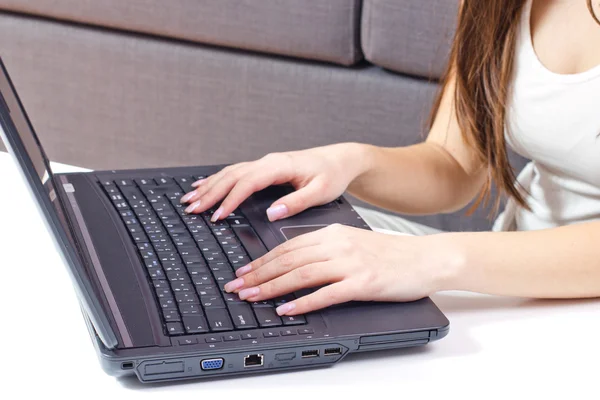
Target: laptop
<point x="150" y="278"/>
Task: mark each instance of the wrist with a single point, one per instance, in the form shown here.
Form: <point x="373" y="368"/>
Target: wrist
<point x="358" y="158"/>
<point x="447" y="256"/>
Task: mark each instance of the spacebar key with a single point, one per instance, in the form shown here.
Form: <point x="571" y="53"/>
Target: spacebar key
<point x="250" y="241"/>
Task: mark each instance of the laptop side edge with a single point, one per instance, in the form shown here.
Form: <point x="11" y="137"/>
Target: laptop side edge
<point x="14" y="125"/>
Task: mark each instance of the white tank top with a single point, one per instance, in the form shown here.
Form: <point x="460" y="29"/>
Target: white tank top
<point x="553" y="120"/>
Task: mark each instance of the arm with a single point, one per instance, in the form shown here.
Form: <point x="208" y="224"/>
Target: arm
<point x="554" y="263"/>
<point x="440" y="175"/>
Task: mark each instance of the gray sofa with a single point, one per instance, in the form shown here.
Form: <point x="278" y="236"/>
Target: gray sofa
<point x="140" y="83"/>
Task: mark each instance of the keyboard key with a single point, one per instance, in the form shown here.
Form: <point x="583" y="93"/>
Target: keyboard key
<point x="250" y="241"/>
<point x="190" y="309"/>
<point x="156" y="273"/>
<point x="242" y="316"/>
<point x="186" y="298"/>
<point x="161" y="293"/>
<point x="124" y="182"/>
<point x="168" y="303"/>
<point x="175" y="276"/>
<point x="187" y="341"/>
<point x="213" y="339"/>
<point x="145" y="182"/>
<point x="226" y="276"/>
<point x="267" y="317"/>
<point x="284" y="299"/>
<point x="164" y="181"/>
<point x="306" y="331"/>
<point x="182" y="287"/>
<point x="239" y="221"/>
<point x="161" y="285"/>
<point x="288" y="332"/>
<point x="231" y="338"/>
<point x="171" y="315"/>
<point x="203" y="280"/>
<point x="265" y="303"/>
<point x="197" y="269"/>
<point x="212" y="302"/>
<point x="270" y="334"/>
<point x="207" y="290"/>
<point x="231" y="298"/>
<point x="219" y="320"/>
<point x="195" y="324"/>
<point x="175" y="328"/>
<point x="249" y="336"/>
<point x="175" y="267"/>
<point x="293" y="320"/>
<point x="185" y="182"/>
<point x="152" y="263"/>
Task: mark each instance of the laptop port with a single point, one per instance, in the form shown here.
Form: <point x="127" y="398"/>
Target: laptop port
<point x="253" y="360"/>
<point x="212" y="364"/>
<point x="310" y="353"/>
<point x="127" y="365"/>
<point x="285" y="356"/>
<point x="334" y="351"/>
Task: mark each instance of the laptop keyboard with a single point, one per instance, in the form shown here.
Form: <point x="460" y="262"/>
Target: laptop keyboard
<point x="189" y="259"/>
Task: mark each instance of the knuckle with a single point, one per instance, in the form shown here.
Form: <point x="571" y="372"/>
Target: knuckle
<point x="305" y="274"/>
<point x="333" y="297"/>
<point x="286" y="261"/>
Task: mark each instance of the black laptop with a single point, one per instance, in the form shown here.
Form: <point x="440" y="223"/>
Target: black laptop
<point x="150" y="277"/>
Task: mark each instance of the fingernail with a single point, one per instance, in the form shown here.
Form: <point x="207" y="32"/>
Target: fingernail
<point x="233" y="285"/>
<point x="198" y="183"/>
<point x="247" y="293"/>
<point x="244" y="270"/>
<point x="285" y="308"/>
<point x="187" y="197"/>
<point x="277" y="212"/>
<point x="217" y="214"/>
<point x="192" y="207"/>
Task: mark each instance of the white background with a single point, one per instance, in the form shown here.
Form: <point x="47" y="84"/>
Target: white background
<point x="497" y="347"/>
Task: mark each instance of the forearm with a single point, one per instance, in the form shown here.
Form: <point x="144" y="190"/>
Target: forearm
<point x="420" y="179"/>
<point x="555" y="263"/>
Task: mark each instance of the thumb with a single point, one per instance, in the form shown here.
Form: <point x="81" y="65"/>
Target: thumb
<point x="296" y="202"/>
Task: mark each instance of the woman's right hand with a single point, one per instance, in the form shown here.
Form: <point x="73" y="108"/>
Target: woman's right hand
<point x="319" y="175"/>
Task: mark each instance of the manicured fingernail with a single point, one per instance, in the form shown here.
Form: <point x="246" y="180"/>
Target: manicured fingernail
<point x="217" y="214"/>
<point x="192" y="207"/>
<point x="233" y="285"/>
<point x="187" y="197"/>
<point x="277" y="212"/>
<point x="285" y="308"/>
<point x="247" y="293"/>
<point x="244" y="270"/>
<point x="198" y="183"/>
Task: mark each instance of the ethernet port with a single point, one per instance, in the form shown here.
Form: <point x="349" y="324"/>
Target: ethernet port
<point x="253" y="360"/>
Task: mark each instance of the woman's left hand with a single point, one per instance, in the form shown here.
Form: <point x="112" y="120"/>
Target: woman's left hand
<point x="354" y="264"/>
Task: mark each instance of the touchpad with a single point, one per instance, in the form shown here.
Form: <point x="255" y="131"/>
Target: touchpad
<point x="290" y="232"/>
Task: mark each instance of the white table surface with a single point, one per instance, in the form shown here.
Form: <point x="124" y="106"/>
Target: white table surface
<point x="497" y="347"/>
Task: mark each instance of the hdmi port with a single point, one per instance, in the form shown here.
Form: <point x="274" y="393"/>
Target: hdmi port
<point x="310" y="353"/>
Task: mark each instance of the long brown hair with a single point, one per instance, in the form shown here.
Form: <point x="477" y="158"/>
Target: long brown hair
<point x="481" y="61"/>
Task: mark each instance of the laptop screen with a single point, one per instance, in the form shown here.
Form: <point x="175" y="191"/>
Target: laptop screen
<point x="22" y="142"/>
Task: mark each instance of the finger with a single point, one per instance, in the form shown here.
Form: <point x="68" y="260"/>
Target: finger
<point x="250" y="183"/>
<point x="208" y="183"/>
<point x="211" y="195"/>
<point x="308" y="276"/>
<point x="278" y="267"/>
<point x="298" y="201"/>
<point x="308" y="239"/>
<point x="330" y="295"/>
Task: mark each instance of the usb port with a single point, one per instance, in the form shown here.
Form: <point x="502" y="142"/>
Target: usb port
<point x="334" y="351"/>
<point x="310" y="353"/>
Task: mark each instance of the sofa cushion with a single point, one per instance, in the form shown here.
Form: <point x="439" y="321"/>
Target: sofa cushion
<point x="409" y="36"/>
<point x="325" y="30"/>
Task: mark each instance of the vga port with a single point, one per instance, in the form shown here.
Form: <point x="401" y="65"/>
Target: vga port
<point x="212" y="364"/>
